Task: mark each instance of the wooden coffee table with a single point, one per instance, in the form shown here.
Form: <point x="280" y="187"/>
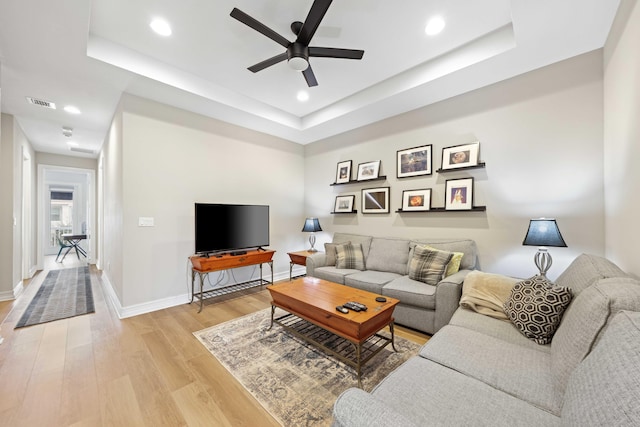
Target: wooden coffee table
<point x="311" y="306"/>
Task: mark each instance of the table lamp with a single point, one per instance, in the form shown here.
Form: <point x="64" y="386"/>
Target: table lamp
<point x="543" y="232"/>
<point x="312" y="225"/>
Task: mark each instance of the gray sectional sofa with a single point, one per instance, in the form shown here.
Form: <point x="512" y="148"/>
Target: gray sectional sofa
<point x="423" y="307"/>
<point x="480" y="371"/>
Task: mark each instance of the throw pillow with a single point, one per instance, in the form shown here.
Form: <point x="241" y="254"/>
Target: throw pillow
<point x="536" y="307"/>
<point x="350" y="256"/>
<point x="454" y="264"/>
<point x="330" y="252"/>
<point x="428" y="265"/>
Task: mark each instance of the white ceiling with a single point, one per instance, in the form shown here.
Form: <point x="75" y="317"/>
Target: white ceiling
<point x="87" y="53"/>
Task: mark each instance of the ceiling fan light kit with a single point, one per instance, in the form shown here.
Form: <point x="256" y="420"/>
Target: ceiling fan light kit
<point x="298" y="52"/>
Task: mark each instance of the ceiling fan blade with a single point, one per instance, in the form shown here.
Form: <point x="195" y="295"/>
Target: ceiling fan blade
<point x="259" y="27"/>
<point x="268" y="62"/>
<point x="331" y="52"/>
<point x="317" y="12"/>
<point x="310" y="77"/>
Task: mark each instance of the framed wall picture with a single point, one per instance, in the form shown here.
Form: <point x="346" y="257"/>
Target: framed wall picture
<point x="459" y="194"/>
<point x="369" y="170"/>
<point x="344" y="204"/>
<point x="343" y="173"/>
<point x="414" y="161"/>
<point x="416" y="200"/>
<point x="460" y="156"/>
<point x="375" y="200"/>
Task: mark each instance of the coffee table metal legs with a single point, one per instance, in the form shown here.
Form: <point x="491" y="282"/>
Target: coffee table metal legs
<point x="355" y="358"/>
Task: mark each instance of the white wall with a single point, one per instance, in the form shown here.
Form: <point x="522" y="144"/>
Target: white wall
<point x="622" y="137"/>
<point x="13" y="141"/>
<point x="171" y="159"/>
<point x="541" y="137"/>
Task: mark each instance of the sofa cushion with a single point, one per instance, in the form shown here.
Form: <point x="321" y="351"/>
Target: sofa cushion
<point x="603" y="390"/>
<point x="333" y="274"/>
<point x="428" y="265"/>
<point x="586" y="270"/>
<point x="446" y="398"/>
<point x="486" y="293"/>
<point x="411" y="292"/>
<point x="503" y="329"/>
<point x="466" y="246"/>
<point x="365" y="241"/>
<point x="586" y="318"/>
<point x="388" y="255"/>
<point x="350" y="256"/>
<point x="330" y="251"/>
<point x="370" y="280"/>
<point x="536" y="307"/>
<point x="513" y="369"/>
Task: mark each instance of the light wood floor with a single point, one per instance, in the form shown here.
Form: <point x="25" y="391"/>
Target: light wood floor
<point x="148" y="370"/>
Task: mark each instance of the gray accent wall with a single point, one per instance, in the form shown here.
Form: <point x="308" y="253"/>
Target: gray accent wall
<point x="541" y="136"/>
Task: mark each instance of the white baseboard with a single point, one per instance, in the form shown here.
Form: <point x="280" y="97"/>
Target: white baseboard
<point x="18" y="289"/>
<point x="160" y="304"/>
<point x="6" y="296"/>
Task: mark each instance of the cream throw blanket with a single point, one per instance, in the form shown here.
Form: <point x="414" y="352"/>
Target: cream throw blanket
<point x="486" y="293"/>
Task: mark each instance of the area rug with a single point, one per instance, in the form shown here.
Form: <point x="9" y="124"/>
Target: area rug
<point x="293" y="380"/>
<point x="64" y="293"/>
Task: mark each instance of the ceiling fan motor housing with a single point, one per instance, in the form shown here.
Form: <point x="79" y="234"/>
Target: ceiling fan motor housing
<point x="298" y="56"/>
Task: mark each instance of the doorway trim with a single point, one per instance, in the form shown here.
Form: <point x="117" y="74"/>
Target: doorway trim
<point x="91" y="200"/>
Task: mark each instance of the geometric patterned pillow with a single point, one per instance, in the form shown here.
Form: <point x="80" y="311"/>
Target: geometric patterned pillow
<point x="350" y="256"/>
<point x="330" y="252"/>
<point x="535" y="306"/>
<point x="428" y="265"/>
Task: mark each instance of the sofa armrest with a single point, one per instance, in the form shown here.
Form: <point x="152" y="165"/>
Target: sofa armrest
<point x="357" y="408"/>
<point x="319" y="259"/>
<point x="448" y="293"/>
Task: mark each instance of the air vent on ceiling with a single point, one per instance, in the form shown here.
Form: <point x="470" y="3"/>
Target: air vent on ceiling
<point x="41" y="103"/>
<point x="82" y="150"/>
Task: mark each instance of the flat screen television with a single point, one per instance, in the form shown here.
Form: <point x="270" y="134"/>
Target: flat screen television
<point x="225" y="228"/>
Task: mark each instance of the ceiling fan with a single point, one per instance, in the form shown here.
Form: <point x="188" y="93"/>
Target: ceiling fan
<point x="299" y="51"/>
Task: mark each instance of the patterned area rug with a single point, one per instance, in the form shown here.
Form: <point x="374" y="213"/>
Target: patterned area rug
<point x="63" y="293"/>
<point x="293" y="380"/>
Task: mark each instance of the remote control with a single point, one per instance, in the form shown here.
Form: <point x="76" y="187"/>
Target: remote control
<point x="361" y="306"/>
<point x="341" y="309"/>
<point x="351" y="306"/>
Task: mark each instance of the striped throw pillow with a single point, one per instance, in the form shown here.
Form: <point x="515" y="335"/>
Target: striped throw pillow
<point x="350" y="256"/>
<point x="428" y="265"/>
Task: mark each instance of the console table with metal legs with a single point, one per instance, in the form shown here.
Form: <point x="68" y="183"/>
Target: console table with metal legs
<point x="202" y="266"/>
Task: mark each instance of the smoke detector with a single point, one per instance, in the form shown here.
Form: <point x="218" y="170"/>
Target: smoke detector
<point x="67" y="131"/>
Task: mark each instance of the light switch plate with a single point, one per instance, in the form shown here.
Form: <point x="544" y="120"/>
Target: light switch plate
<point x="145" y="221"/>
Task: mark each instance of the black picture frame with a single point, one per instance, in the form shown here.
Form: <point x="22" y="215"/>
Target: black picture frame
<point x="459" y="194"/>
<point x="375" y="200"/>
<point x="460" y="156"/>
<point x="369" y="170"/>
<point x="343" y="172"/>
<point x="416" y="200"/>
<point x="416" y="161"/>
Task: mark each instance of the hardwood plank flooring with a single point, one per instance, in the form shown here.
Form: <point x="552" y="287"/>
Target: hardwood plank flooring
<point x="148" y="370"/>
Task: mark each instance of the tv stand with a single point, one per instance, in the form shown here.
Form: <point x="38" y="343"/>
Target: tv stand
<point x="236" y="253"/>
<point x="202" y="266"/>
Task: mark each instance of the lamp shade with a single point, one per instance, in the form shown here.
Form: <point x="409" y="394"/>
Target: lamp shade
<point x="544" y="232"/>
<point x="311" y="225"/>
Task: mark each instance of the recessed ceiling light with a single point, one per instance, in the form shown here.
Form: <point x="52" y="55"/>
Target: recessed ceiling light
<point x="72" y="144"/>
<point x="161" y="27"/>
<point x="71" y="109"/>
<point x="434" y="26"/>
<point x="303" y="96"/>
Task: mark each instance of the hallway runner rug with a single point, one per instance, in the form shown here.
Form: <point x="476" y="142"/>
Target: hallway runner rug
<point x="293" y="380"/>
<point x="64" y="293"/>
